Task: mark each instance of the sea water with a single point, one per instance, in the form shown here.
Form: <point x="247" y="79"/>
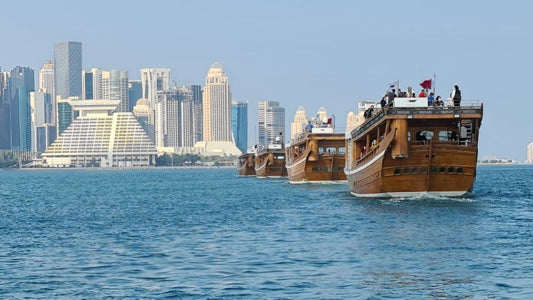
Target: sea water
<point x="209" y="234"/>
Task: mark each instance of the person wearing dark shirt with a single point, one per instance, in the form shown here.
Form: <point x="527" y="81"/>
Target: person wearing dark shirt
<point x="456" y="96"/>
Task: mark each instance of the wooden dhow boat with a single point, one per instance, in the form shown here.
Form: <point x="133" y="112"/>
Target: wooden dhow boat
<point x="317" y="155"/>
<point x="412" y="149"/>
<point x="270" y="161"/>
<point x="246" y="165"/>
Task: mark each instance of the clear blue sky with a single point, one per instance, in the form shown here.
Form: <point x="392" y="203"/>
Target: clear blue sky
<point x="308" y="53"/>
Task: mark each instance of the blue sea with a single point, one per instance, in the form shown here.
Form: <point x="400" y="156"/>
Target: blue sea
<point x="209" y="234"/>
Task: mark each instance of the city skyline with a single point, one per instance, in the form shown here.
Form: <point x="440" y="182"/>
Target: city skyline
<point x="278" y="50"/>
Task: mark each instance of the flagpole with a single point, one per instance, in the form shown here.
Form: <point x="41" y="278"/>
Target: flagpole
<point x="434" y="80"/>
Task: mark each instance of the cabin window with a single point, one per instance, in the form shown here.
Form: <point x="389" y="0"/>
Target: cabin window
<point x="280" y="157"/>
<point x="414" y="170"/>
<point x="422" y="170"/>
<point x="331" y="150"/>
<point x="447" y="135"/>
<point x="424" y="135"/>
<point x="406" y="170"/>
<point x="450" y="170"/>
<point x="320" y="150"/>
<point x="442" y="169"/>
<point x="397" y="171"/>
<point x="408" y="136"/>
<point x="433" y="170"/>
<point x="342" y="150"/>
<point x="459" y="170"/>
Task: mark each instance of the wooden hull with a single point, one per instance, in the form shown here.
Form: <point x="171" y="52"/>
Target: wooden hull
<point x="399" y="166"/>
<point x="449" y="171"/>
<point x="325" y="167"/>
<point x="270" y="164"/>
<point x="246" y="165"/>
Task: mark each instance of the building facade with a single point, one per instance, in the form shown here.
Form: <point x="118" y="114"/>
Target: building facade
<point x="529" y="156"/>
<point x="216" y="105"/>
<point x="47" y="83"/>
<point x="299" y="123"/>
<point x="101" y="138"/>
<point x="197" y="99"/>
<point x="41" y="110"/>
<point x="135" y="92"/>
<point x="239" y="124"/>
<point x="68" y="69"/>
<point x="154" y="80"/>
<point x="271" y="122"/>
<point x="20" y="83"/>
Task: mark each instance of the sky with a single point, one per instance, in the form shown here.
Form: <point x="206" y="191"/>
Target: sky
<point x="303" y="53"/>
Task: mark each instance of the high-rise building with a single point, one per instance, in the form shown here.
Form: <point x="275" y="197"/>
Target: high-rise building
<point x="175" y="110"/>
<point x="108" y="85"/>
<point x="87" y="85"/>
<point x="5" y="125"/>
<point x="271" y="122"/>
<point x="47" y="85"/>
<point x="20" y="83"/>
<point x="216" y="105"/>
<point x="198" y="112"/>
<point x="352" y="121"/>
<point x="154" y="80"/>
<point x="115" y="87"/>
<point x="299" y="123"/>
<point x="239" y="124"/>
<point x="41" y="110"/>
<point x="135" y="92"/>
<point x="529" y="157"/>
<point x="68" y="69"/>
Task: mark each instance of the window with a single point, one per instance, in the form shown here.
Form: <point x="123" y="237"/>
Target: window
<point x="397" y="172"/>
<point x="459" y="170"/>
<point x="320" y="150"/>
<point x="342" y="150"/>
<point x="450" y="170"/>
<point x="414" y="171"/>
<point x="331" y="150"/>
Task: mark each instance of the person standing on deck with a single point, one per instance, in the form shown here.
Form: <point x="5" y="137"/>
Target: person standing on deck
<point x="456" y="96"/>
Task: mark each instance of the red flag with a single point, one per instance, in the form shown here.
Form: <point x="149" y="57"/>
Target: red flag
<point x="426" y="84"/>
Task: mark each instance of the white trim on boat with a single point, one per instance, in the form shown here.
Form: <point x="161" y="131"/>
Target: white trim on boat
<point x="373" y="160"/>
<point x="318" y="182"/>
<point x="293" y="165"/>
<point x="412" y="194"/>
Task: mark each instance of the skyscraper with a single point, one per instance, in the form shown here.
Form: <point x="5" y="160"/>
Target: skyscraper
<point x="135" y="92"/>
<point x="300" y="121"/>
<point x="216" y="105"/>
<point x="20" y="83"/>
<point x="271" y="122"/>
<point x="47" y="85"/>
<point x="529" y="156"/>
<point x="5" y="125"/>
<point x="115" y="87"/>
<point x="154" y="80"/>
<point x="41" y="108"/>
<point x="197" y="100"/>
<point x="239" y="124"/>
<point x="175" y="112"/>
<point x="68" y="69"/>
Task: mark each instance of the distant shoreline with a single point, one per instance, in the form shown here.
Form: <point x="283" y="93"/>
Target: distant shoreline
<point x="121" y="168"/>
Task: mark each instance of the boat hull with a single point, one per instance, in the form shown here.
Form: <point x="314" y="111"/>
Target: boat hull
<point x="270" y="164"/>
<point x="246" y="165"/>
<point x="313" y="166"/>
